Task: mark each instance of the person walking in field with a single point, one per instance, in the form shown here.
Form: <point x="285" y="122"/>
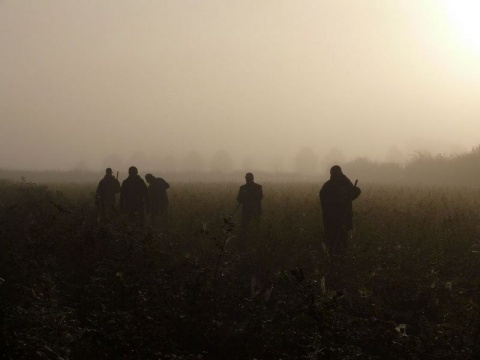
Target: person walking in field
<point x="106" y="195"/>
<point x="134" y="197"/>
<point x="157" y="194"/>
<point x="250" y="197"/>
<point x="336" y="197"/>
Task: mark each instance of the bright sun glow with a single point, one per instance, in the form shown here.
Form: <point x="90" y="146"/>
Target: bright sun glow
<point x="464" y="16"/>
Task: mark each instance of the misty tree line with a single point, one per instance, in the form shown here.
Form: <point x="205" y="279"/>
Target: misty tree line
<point x="193" y="161"/>
<point x="422" y="168"/>
<point x="306" y="161"/>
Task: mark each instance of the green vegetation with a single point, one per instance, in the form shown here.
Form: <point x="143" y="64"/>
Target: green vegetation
<point x="71" y="288"/>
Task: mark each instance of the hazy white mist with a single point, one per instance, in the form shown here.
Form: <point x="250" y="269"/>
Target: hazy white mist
<point x="153" y="81"/>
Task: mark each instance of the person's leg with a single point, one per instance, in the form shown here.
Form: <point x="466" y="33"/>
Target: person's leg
<point x="132" y="216"/>
<point x="342" y="241"/>
<point x="154" y="218"/>
<point x="141" y="216"/>
<point x="330" y="234"/>
<point x="163" y="219"/>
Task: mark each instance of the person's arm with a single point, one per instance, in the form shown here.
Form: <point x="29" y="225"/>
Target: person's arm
<point x="165" y="184"/>
<point x="260" y="192"/>
<point x="355" y="192"/>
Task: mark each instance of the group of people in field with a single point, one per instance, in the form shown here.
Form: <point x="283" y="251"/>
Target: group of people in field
<point x="336" y="197"/>
<point x="136" y="197"/>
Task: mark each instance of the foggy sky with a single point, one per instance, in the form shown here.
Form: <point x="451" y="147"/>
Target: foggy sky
<point x="80" y="80"/>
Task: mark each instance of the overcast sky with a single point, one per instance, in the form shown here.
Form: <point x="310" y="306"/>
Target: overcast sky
<point x="261" y="79"/>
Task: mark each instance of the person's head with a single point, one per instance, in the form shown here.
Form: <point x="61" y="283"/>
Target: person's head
<point x="149" y="178"/>
<point x="108" y="171"/>
<point x="132" y="170"/>
<point x="249" y="178"/>
<point x="335" y="171"/>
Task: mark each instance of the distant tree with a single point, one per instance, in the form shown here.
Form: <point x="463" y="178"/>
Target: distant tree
<point x="193" y="162"/>
<point x="475" y="151"/>
<point x="424" y="168"/>
<point x="460" y="169"/>
<point x="221" y="162"/>
<point x="306" y="162"/>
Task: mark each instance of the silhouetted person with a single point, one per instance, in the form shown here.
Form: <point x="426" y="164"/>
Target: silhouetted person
<point x="157" y="193"/>
<point x="134" y="196"/>
<point x="336" y="198"/>
<point x="250" y="197"/>
<point x="106" y="195"/>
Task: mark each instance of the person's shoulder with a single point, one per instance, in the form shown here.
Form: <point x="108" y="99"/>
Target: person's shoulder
<point x="330" y="187"/>
<point x="326" y="184"/>
<point x="165" y="185"/>
<point x="346" y="181"/>
<point x="132" y="180"/>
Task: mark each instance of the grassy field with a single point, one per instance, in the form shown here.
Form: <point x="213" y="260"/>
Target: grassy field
<point x="71" y="288"/>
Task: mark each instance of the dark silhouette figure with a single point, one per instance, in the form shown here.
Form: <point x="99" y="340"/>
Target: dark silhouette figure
<point x="106" y="195"/>
<point x="157" y="193"/>
<point x="134" y="197"/>
<point x="336" y="198"/>
<point x="250" y="197"/>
